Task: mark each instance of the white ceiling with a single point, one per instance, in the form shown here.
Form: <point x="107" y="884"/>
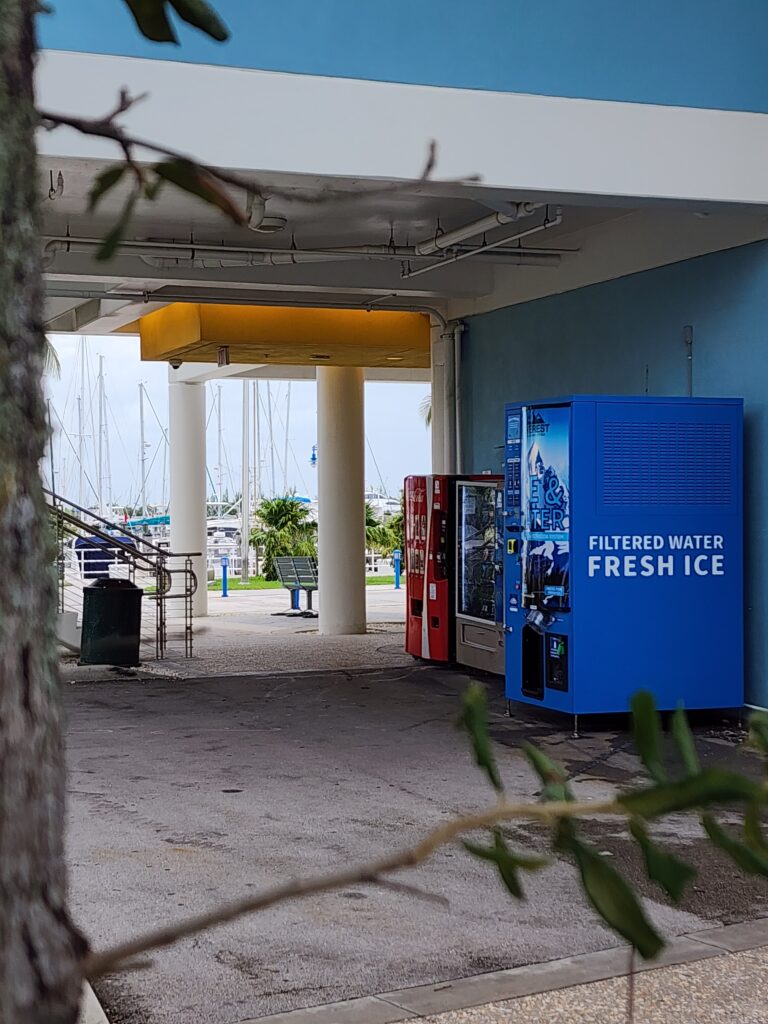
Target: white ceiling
<point x="597" y="239"/>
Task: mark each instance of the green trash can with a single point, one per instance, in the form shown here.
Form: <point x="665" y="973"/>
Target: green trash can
<point x="111" y="623"/>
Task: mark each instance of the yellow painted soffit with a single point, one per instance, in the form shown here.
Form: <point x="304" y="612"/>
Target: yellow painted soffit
<point x="284" y="334"/>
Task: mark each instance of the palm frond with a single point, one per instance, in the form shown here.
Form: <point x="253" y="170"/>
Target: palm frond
<point x="51" y="362"/>
<point x="425" y="410"/>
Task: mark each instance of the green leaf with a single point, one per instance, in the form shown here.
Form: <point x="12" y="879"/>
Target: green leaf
<point x="551" y="774"/>
<point x="686" y="744"/>
<point x="709" y="787"/>
<point x="103" y="183"/>
<point x="754" y="862"/>
<point x="201" y="15"/>
<point x="758" y="730"/>
<point x="152" y="20"/>
<point x="113" y="238"/>
<point x="753" y="829"/>
<point x="646" y="726"/>
<point x="668" y="871"/>
<point x="189" y="177"/>
<point x="474" y="718"/>
<point x="614" y="901"/>
<point x="508" y="863"/>
<point x="151" y="188"/>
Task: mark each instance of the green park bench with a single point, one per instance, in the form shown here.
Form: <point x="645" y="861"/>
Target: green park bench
<point x="297" y="573"/>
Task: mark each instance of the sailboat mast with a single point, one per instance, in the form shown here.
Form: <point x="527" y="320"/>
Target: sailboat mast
<point x="287" y="424"/>
<point x="219" y="457"/>
<point x="256" y="444"/>
<point x="50" y="450"/>
<point x="245" y="498"/>
<point x="100" y="449"/>
<point x="271" y="436"/>
<point x="143" y="453"/>
<point x="81" y="428"/>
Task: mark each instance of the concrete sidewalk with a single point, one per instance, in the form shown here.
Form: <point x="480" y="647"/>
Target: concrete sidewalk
<point x="714" y="976"/>
<point x="726" y="989"/>
<point x="245" y="633"/>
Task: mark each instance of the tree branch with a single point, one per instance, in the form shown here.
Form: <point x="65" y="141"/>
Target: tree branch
<point x="371" y="873"/>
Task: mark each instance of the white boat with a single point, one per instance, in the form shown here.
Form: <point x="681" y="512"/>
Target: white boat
<point x="382" y="504"/>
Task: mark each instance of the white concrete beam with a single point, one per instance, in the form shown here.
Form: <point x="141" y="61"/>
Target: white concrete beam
<point x="556" y="144"/>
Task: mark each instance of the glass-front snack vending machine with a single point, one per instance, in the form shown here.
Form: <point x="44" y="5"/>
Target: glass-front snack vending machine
<point x="479" y="592"/>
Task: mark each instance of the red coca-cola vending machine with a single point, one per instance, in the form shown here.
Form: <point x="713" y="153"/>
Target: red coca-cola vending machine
<point x="429" y="617"/>
<point x="454" y="540"/>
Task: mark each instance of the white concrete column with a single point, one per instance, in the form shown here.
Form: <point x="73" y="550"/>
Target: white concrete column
<point x="341" y="486"/>
<point x="437" y="350"/>
<point x="186" y="420"/>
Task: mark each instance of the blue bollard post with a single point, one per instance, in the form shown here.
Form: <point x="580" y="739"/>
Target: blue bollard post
<point x="396" y="566"/>
<point x="224" y="581"/>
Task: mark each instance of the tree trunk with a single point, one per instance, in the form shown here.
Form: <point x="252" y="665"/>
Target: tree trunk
<point x="40" y="951"/>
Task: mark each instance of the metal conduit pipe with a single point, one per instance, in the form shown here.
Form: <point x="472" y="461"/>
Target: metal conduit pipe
<point x="494" y="220"/>
<point x="246" y="300"/>
<point x="252" y="255"/>
<point x="254" y="260"/>
<point x="518" y="259"/>
<point x="551" y="260"/>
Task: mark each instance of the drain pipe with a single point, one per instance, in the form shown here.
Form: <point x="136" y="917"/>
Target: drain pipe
<point x="448" y="339"/>
<point x="688" y="341"/>
<point x="458" y="330"/>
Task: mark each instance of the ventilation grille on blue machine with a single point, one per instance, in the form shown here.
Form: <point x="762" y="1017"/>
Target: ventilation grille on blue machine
<point x="666" y="463"/>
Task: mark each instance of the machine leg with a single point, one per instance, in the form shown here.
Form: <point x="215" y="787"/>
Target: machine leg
<point x="509" y="708"/>
<point x="575" y="727"/>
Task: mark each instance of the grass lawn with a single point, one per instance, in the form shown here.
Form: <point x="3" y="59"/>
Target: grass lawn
<point x="259" y="583"/>
<point x="254" y="583"/>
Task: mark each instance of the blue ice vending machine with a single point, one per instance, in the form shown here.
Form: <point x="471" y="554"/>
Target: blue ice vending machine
<point x="623" y="552"/>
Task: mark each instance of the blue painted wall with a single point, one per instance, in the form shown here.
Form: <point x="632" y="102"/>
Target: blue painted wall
<point x="698" y="53"/>
<point x="604" y="339"/>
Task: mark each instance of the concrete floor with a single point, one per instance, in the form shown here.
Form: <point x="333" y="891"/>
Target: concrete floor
<point x="244" y="633"/>
<point x="184" y="795"/>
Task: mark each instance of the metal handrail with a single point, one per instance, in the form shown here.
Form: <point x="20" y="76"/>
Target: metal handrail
<point x="114" y="526"/>
<point x="154" y="561"/>
<point x="131" y="554"/>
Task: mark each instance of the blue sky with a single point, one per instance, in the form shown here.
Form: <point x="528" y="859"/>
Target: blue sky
<point x="397" y="441"/>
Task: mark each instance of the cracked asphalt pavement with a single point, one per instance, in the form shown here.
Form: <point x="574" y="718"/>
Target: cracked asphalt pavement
<point x="183" y="795"/>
